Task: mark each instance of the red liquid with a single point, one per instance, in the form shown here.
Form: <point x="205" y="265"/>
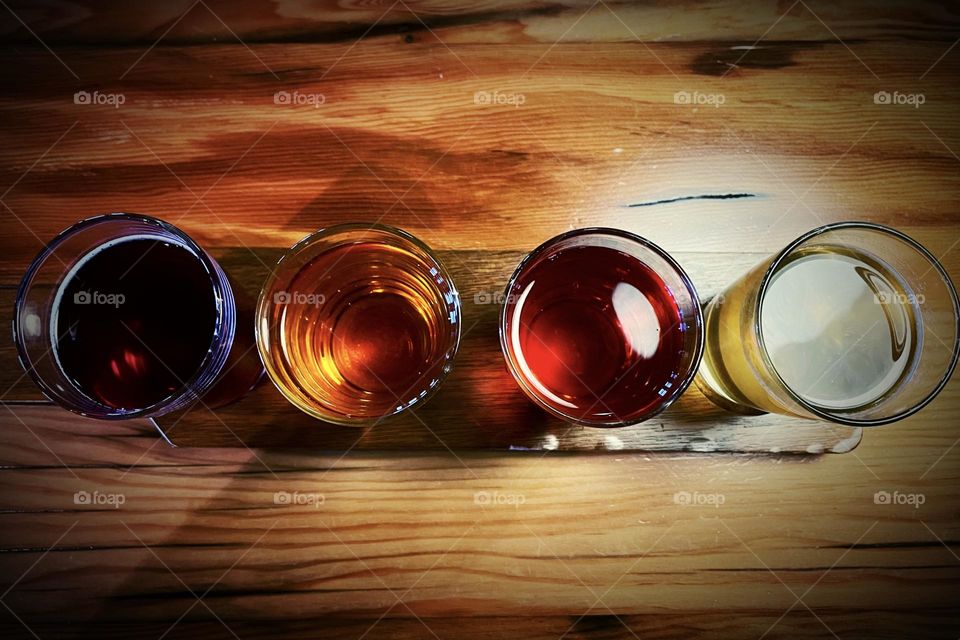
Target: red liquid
<point x="597" y="335"/>
<point x="133" y="352"/>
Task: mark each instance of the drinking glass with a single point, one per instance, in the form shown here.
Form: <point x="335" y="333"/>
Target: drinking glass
<point x="125" y="316"/>
<point x="357" y="323"/>
<point x="852" y="322"/>
<point x="601" y="327"/>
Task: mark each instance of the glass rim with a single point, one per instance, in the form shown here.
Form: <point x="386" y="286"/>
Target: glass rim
<point x="773" y="269"/>
<point x="264" y="303"/>
<point x="644" y="243"/>
<point x="222" y="293"/>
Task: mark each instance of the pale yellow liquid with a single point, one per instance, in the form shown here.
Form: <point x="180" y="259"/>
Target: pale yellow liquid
<point x="839" y="329"/>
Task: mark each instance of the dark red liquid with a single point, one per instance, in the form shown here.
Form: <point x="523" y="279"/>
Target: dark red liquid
<point x="597" y="334"/>
<point x="133" y="352"/>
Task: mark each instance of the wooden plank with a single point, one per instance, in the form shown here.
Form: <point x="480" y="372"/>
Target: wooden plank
<point x="732" y="623"/>
<point x="513" y="181"/>
<point x="474" y="177"/>
<point x="489" y="21"/>
<point x="413" y="522"/>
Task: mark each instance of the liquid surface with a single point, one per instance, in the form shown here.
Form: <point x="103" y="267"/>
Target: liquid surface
<point x="596" y="334"/>
<point x="839" y="328"/>
<point x="134" y="322"/>
<point x="365" y="329"/>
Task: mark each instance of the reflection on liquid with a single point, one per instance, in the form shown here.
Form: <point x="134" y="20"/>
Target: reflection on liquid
<point x="595" y="333"/>
<point x="839" y="328"/>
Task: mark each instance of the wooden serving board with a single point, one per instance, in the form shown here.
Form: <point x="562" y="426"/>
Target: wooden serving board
<point x="480" y="406"/>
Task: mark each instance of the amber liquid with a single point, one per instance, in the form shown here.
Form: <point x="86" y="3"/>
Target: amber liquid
<point x="365" y="330"/>
<point x="596" y="334"/>
<point x="134" y="322"/>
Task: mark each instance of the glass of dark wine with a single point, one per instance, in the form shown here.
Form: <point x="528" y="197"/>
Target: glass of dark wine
<point x="125" y="316"/>
<point x="601" y="327"/>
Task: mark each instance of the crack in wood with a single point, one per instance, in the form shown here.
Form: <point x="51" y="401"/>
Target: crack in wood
<point x="703" y="196"/>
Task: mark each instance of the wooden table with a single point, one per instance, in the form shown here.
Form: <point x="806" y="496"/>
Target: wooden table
<point x="731" y="127"/>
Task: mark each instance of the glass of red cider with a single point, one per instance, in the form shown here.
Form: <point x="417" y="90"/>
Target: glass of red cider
<point x="124" y="316"/>
<point x="601" y="327"/>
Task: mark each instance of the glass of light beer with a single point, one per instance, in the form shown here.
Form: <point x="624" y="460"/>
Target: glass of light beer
<point x="357" y="323"/>
<point x="853" y="322"/>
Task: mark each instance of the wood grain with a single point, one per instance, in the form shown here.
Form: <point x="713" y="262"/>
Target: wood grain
<point x="412" y="522"/>
<point x="181" y="22"/>
<point x="802" y="137"/>
<point x="798" y="124"/>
